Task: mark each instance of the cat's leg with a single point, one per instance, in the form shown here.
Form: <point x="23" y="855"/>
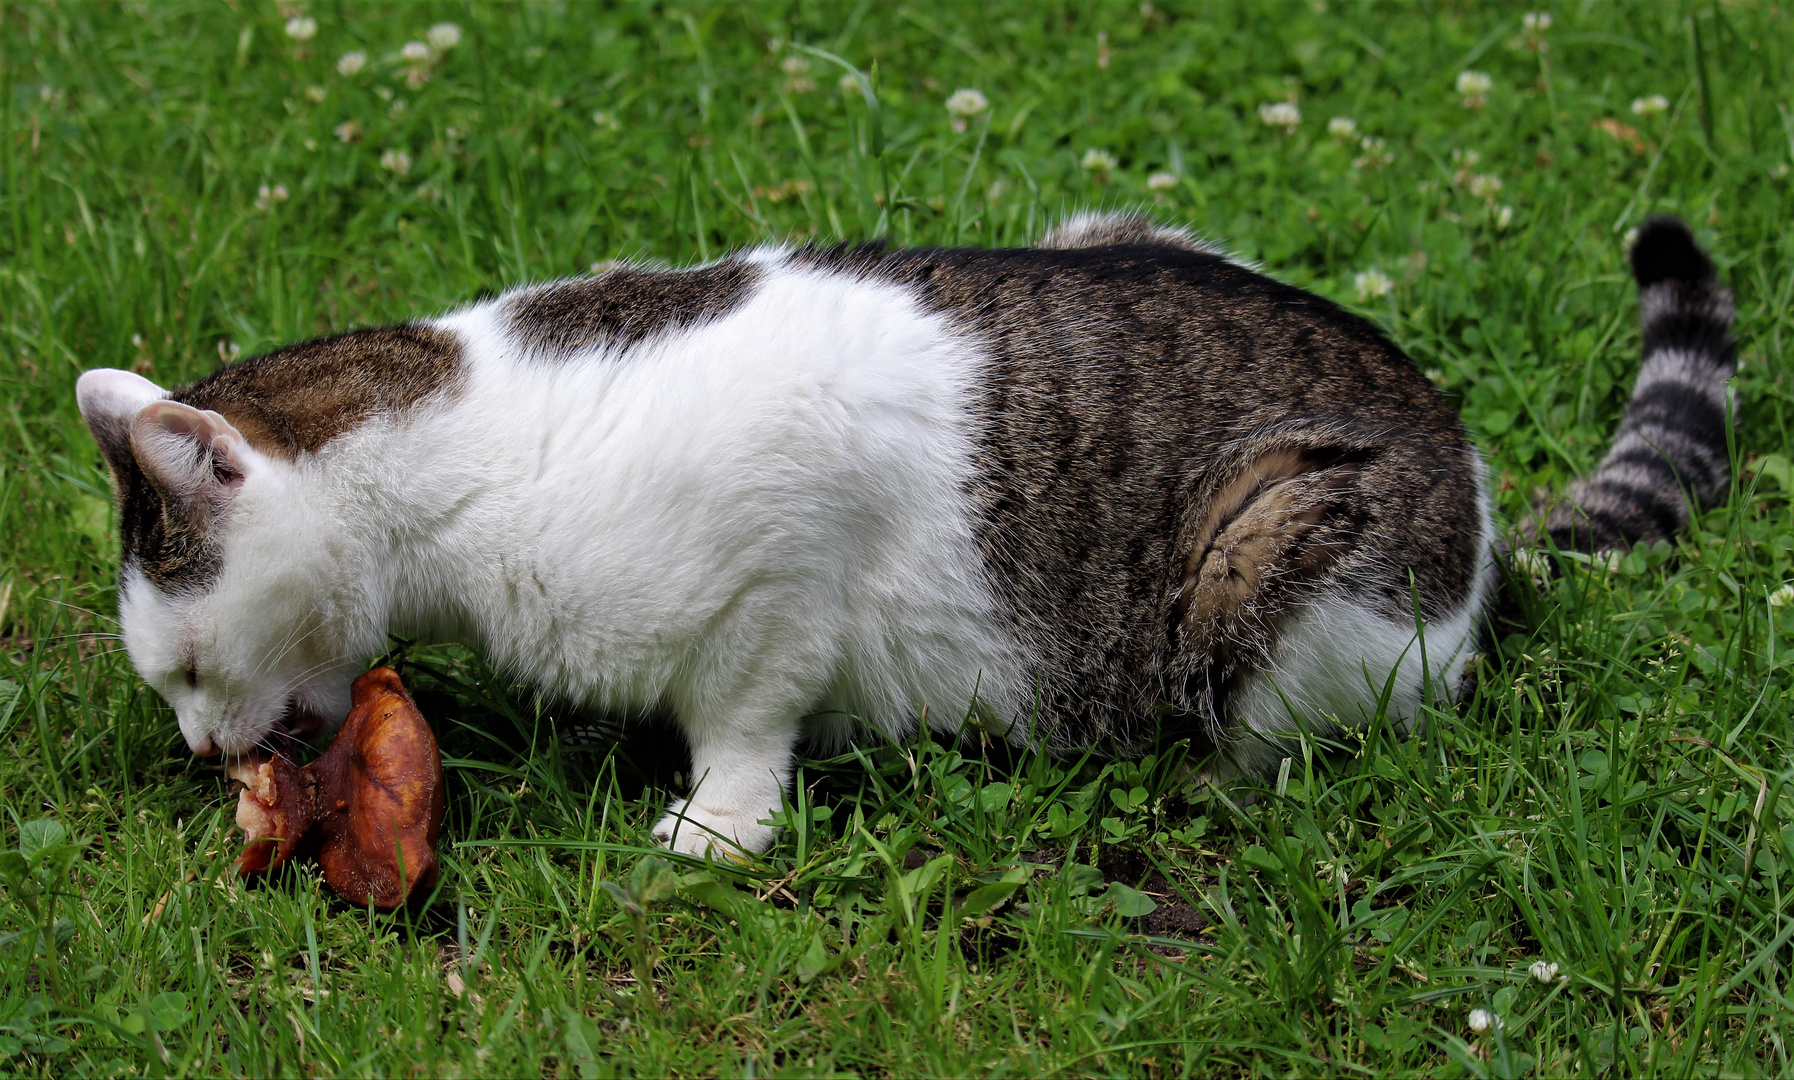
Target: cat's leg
<point x="741" y="764"/>
<point x="741" y="708"/>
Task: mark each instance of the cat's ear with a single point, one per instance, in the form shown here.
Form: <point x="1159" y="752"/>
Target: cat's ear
<point x="111" y="401"/>
<point x="193" y="456"/>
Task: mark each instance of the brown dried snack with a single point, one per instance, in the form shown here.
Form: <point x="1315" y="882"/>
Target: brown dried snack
<point x="370" y="807"/>
<point x="273" y="810"/>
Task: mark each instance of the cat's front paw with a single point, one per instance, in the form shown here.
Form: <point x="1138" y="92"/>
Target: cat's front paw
<point x="709" y="833"/>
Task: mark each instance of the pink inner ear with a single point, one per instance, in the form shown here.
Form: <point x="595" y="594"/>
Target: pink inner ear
<point x="187" y="450"/>
<point x="178" y="419"/>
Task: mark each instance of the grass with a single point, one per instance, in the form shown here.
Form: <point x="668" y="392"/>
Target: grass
<point x="1616" y="799"/>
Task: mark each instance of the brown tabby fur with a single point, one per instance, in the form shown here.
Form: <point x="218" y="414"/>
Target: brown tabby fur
<point x="1134" y="388"/>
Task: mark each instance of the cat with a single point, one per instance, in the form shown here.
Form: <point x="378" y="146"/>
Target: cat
<point x="1078" y="495"/>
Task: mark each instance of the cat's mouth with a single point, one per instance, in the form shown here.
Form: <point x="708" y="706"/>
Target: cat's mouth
<point x="298" y="723"/>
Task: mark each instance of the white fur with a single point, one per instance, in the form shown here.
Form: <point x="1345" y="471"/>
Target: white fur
<point x="109" y="392"/>
<point x="270" y="634"/>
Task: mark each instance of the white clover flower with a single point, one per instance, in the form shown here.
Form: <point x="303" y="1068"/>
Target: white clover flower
<point x="351" y="63"/>
<point x="1342" y="127"/>
<point x="416" y="52"/>
<point x="1504" y="216"/>
<point x="1376" y="154"/>
<point x="416" y="77"/>
<point x="396" y="161"/>
<point x="966" y="102"/>
<point x="316" y="94"/>
<point x="605" y="120"/>
<point x="1098" y="160"/>
<point x="1533" y="25"/>
<point x="847" y="82"/>
<point x="443" y="36"/>
<point x="347" y="131"/>
<point x="1474" y="82"/>
<point x="302" y="28"/>
<point x="1161" y="181"/>
<point x="266" y="196"/>
<point x="1474" y="86"/>
<point x="1782" y="597"/>
<point x="795" y="68"/>
<point x="1649" y="106"/>
<point x="1543" y="972"/>
<point x="1531" y="563"/>
<point x="1484" y="186"/>
<point x="1483" y="1021"/>
<point x="1280" y="114"/>
<point x="1372" y="285"/>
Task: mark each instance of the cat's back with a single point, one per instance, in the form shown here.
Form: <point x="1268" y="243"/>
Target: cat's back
<point x="1100" y="321"/>
<point x="1141" y="326"/>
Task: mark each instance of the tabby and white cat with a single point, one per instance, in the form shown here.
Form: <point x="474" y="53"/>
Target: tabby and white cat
<point x="1086" y="493"/>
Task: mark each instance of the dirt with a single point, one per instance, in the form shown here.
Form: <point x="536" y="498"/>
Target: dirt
<point x="1174" y="917"/>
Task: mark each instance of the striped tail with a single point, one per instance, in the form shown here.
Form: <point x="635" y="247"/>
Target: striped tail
<point x="1670" y="454"/>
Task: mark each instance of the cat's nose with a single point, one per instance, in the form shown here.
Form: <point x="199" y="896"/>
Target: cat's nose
<point x="199" y="740"/>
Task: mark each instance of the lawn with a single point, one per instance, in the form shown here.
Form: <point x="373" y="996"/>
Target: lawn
<point x="1588" y="867"/>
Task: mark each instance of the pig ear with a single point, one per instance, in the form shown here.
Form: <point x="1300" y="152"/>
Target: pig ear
<point x="110" y="402"/>
<point x="192" y="456"/>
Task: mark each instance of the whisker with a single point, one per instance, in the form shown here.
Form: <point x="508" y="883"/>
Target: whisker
<point x="288" y="645"/>
<point x="294" y="682"/>
<point x="276" y="654"/>
<point x="82" y="610"/>
<point x="57" y="639"/>
<point x="106" y="652"/>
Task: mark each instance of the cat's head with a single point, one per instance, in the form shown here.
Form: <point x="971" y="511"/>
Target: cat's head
<point x="225" y="592"/>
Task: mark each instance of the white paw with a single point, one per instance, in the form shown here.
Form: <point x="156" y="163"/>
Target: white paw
<point x="711" y="833"/>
